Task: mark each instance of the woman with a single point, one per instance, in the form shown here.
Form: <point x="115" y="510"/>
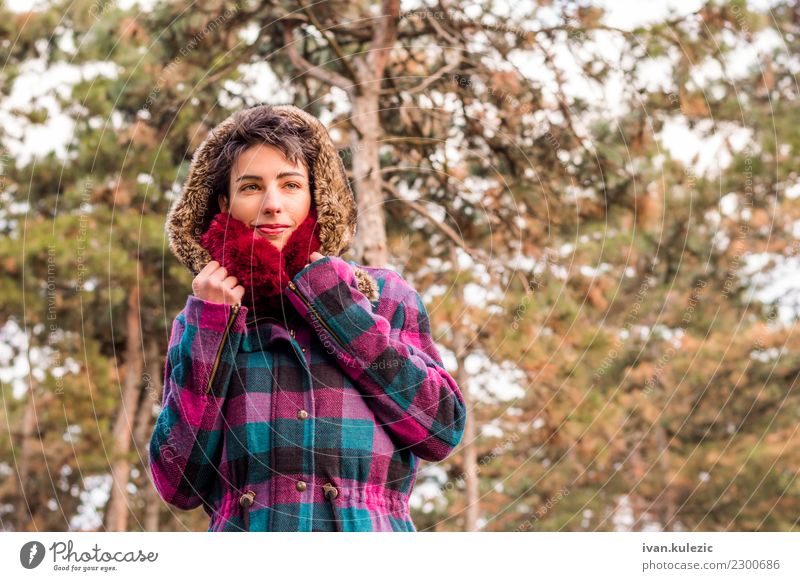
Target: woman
<point x="301" y="390"/>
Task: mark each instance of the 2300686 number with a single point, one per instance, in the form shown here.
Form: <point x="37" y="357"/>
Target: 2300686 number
<point x="756" y="564"/>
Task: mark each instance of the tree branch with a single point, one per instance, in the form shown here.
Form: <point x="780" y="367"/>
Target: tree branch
<point x="384" y="37"/>
<point x="420" y="209"/>
<point x="326" y="76"/>
<point x="429" y="81"/>
<point x="331" y="39"/>
<point x="410" y="139"/>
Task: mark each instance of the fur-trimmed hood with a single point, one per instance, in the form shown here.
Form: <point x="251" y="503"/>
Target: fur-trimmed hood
<point x="191" y="214"/>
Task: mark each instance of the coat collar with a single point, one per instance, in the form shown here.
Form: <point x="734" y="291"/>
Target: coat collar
<point x="258" y="265"/>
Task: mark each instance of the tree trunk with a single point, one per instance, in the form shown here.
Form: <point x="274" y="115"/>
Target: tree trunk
<point x="144" y="430"/>
<point x="668" y="504"/>
<point x="29" y="441"/>
<point x="369" y="245"/>
<point x="468" y="448"/>
<point x="117" y="510"/>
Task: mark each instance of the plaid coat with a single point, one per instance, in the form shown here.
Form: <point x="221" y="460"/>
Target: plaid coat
<point x="315" y="420"/>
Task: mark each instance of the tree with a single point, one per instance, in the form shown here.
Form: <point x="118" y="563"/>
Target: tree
<point x="589" y="289"/>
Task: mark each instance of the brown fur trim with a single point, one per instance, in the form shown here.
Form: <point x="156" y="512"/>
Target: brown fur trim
<point x="366" y="284"/>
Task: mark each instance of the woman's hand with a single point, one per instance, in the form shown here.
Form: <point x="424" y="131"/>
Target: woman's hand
<point x="214" y="285"/>
<point x="314" y="256"/>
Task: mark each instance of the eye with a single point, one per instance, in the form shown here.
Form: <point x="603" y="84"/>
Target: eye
<point x="248" y="185"/>
<point x="294" y="185"/>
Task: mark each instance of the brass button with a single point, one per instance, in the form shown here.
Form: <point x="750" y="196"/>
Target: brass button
<point x="330" y="491"/>
<point x="246" y="499"/>
<point x="304" y="349"/>
<point x="300" y="486"/>
<point x="302" y="415"/>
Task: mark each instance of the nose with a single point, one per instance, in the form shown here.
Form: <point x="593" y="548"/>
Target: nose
<point x="272" y="203"/>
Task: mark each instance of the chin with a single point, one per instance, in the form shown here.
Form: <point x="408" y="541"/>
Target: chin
<point x="277" y="243"/>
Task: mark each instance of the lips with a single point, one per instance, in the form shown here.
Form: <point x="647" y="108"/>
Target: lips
<point x="272" y="229"/>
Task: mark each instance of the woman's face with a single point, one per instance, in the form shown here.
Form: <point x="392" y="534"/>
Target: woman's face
<point x="265" y="190"/>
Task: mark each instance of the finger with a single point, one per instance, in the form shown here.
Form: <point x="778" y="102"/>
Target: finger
<point x="218" y="275"/>
<point x="229" y="282"/>
<point x="238" y="292"/>
<point x="234" y="296"/>
<point x="209" y="268"/>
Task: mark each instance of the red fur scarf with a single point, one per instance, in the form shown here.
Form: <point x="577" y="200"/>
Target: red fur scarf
<point x="257" y="264"/>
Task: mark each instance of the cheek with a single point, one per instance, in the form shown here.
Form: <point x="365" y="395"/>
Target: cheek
<point x="244" y="207"/>
<point x="300" y="208"/>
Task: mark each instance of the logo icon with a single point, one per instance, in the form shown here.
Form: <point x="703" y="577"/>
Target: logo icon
<point x="31" y="554"/>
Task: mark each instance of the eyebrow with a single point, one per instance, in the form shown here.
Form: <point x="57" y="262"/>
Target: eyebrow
<point x="283" y="174"/>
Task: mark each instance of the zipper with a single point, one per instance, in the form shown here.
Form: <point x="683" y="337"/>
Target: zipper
<point x="231" y="318"/>
<point x="342" y="344"/>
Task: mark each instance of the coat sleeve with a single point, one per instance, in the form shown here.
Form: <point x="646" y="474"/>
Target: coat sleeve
<point x="392" y="361"/>
<point x="185" y="447"/>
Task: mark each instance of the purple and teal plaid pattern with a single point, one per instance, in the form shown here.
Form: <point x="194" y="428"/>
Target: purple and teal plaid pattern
<point x="336" y="392"/>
